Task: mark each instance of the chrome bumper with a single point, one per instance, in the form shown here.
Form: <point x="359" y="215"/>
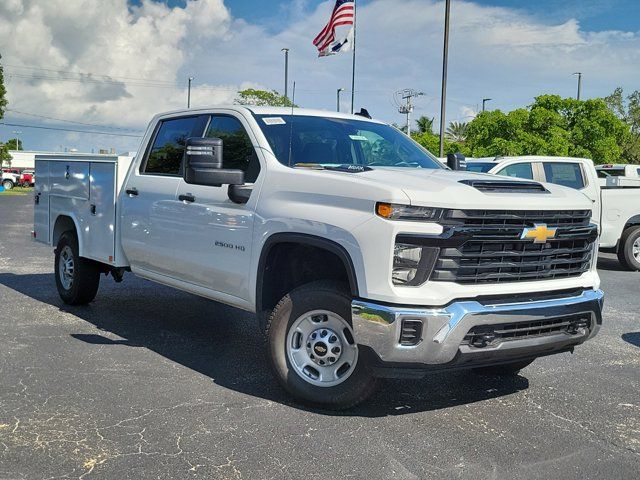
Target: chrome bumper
<point x="444" y="328"/>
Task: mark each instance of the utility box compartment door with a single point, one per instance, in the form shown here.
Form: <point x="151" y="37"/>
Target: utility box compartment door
<point x="41" y="200"/>
<point x="69" y="179"/>
<point x="100" y="219"/>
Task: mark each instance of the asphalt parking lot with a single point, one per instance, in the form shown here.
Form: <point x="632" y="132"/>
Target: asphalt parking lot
<point x="148" y="382"/>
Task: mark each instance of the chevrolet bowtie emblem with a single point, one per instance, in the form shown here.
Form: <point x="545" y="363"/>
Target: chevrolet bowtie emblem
<point x="539" y="233"/>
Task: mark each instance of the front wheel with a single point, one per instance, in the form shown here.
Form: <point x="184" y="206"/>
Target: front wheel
<point x="77" y="278"/>
<point x="629" y="248"/>
<point x="7" y="184"/>
<point x="312" y="348"/>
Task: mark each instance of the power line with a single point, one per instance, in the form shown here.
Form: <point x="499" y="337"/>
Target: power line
<point x="90" y="132"/>
<point x="69" y="121"/>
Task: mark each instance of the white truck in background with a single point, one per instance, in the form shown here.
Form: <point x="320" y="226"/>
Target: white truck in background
<point x="615" y="208"/>
<point x="618" y="174"/>
<point x="362" y="255"/>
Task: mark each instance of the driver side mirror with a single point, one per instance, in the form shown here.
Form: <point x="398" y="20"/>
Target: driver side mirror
<point x="456" y="161"/>
<point x="203" y="164"/>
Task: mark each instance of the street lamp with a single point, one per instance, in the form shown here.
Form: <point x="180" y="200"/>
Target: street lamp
<point x="338" y="98"/>
<point x="579" y="74"/>
<point x="189" y="93"/>
<point x="484" y="101"/>
<point x="286" y="72"/>
<point x="17" y="133"/>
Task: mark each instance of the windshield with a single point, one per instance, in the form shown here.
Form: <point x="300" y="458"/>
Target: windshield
<point x="306" y="140"/>
<point x="480" y="167"/>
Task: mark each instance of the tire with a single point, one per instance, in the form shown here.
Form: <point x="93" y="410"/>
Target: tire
<point x="629" y="248"/>
<point x="7" y="184"/>
<point x="504" y="370"/>
<point x="79" y="279"/>
<point x="322" y="310"/>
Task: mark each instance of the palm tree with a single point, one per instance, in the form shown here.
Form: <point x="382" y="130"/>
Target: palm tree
<point x="425" y="124"/>
<point x="457" y="132"/>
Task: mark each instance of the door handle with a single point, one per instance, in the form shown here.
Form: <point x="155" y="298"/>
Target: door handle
<point x="132" y="191"/>
<point x="187" y="198"/>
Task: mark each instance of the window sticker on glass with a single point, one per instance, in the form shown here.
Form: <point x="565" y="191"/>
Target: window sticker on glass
<point x="274" y="120"/>
<point x="358" y="138"/>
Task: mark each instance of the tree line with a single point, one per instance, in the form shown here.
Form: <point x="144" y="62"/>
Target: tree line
<point x="605" y="130"/>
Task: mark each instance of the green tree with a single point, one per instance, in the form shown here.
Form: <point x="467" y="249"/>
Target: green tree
<point x="260" y="98"/>
<point x="11" y="144"/>
<point x="457" y="131"/>
<point x="551" y="126"/>
<point x="628" y="110"/>
<point x="425" y="124"/>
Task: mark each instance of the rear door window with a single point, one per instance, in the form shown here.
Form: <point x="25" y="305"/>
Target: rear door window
<point x="566" y="174"/>
<point x="519" y="170"/>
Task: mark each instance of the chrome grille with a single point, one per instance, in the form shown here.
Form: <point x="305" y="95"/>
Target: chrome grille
<point x="486" y="247"/>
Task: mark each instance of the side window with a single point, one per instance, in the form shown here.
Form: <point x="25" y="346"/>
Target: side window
<point x="519" y="170"/>
<point x="238" y="152"/>
<point x="638" y="172"/>
<point x="566" y="174"/>
<point x="165" y="157"/>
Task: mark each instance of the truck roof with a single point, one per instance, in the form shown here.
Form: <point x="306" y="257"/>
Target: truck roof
<point x="251" y="109"/>
<point x="541" y="158"/>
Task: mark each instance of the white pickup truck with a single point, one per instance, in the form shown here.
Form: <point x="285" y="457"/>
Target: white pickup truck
<point x="615" y="208"/>
<point x="362" y="255"/>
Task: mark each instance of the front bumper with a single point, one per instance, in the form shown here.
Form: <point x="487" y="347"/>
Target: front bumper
<point x="441" y="341"/>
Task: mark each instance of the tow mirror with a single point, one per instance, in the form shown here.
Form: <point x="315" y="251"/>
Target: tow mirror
<point x="456" y="161"/>
<point x="203" y="164"/>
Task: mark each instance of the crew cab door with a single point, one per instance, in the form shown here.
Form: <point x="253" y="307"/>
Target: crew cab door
<point x="216" y="236"/>
<point x="150" y="212"/>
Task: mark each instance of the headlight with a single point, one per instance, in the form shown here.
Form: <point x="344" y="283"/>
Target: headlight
<point x="412" y="264"/>
<point x="392" y="211"/>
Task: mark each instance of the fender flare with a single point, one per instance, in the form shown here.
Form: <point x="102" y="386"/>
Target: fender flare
<point x="304" y="239"/>
<point x="77" y="228"/>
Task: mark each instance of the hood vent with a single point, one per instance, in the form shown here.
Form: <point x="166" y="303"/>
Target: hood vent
<point x="505" y="186"/>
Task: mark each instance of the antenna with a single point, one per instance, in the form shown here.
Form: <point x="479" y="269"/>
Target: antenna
<point x="293" y="98"/>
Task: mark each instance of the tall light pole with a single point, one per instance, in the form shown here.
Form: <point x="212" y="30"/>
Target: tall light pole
<point x="286" y="72"/>
<point x="338" y="98"/>
<point x="17" y="133"/>
<point x="579" y="74"/>
<point x="484" y="102"/>
<point x="189" y="93"/>
<point x="445" y="56"/>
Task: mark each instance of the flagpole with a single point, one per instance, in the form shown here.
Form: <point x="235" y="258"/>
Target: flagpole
<point x="353" y="65"/>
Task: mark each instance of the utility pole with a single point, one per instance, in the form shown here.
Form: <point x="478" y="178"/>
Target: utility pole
<point x="286" y="72"/>
<point x="579" y="74"/>
<point x="189" y="93"/>
<point x="484" y="102"/>
<point x="408" y="94"/>
<point x="338" y="99"/>
<point x="17" y="133"/>
<point x="445" y="57"/>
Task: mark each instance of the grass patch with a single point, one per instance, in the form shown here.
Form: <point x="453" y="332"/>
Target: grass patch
<point x="16" y="191"/>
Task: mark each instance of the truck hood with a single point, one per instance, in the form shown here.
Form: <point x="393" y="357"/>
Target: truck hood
<point x="443" y="188"/>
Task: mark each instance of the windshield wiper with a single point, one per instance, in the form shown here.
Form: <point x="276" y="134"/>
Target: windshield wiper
<point x="335" y="168"/>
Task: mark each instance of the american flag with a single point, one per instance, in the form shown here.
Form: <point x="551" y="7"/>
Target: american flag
<point x="343" y="14"/>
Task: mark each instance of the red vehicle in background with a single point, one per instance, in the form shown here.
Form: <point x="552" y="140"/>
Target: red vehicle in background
<point x="28" y="178"/>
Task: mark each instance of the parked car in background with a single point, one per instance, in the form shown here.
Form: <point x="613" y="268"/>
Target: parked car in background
<point x="616" y="208"/>
<point x="10" y="180"/>
<point x="27" y="178"/>
<point x="618" y="174"/>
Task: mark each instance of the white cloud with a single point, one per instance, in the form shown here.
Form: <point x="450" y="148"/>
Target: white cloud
<point x="494" y="52"/>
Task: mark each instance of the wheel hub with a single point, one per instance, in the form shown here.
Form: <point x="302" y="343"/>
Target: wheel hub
<point x="66" y="267"/>
<point x="636" y="249"/>
<point x="324" y="347"/>
<point x="321" y="348"/>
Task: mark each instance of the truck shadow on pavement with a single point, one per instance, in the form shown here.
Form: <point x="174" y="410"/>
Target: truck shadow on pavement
<point x="632" y="337"/>
<point x="223" y="343"/>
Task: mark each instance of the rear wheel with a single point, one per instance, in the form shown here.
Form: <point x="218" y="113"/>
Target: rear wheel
<point x="77" y="278"/>
<point x="505" y="369"/>
<point x="7" y="184"/>
<point x="629" y="248"/>
<point x="312" y="348"/>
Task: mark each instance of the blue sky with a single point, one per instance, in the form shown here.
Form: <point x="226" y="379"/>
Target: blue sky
<point x="128" y="61"/>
